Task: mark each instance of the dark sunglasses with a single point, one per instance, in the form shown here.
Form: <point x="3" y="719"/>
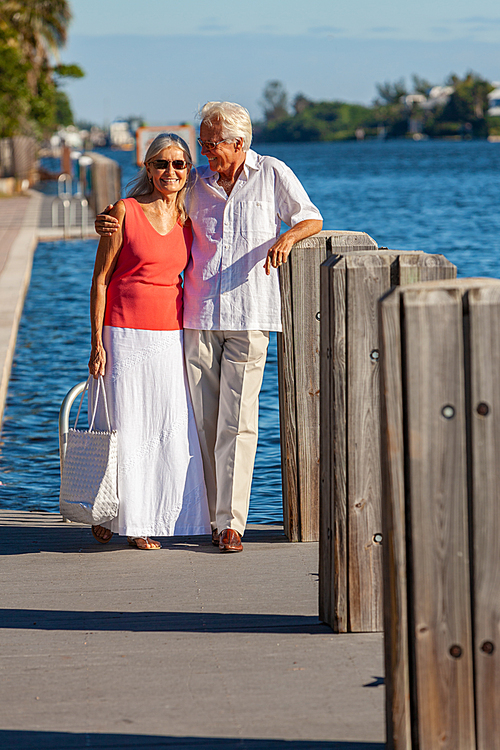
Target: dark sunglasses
<point x="164" y="163"/>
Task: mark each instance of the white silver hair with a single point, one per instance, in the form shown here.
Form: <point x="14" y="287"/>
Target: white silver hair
<point x="141" y="185"/>
<point x="234" y="118"/>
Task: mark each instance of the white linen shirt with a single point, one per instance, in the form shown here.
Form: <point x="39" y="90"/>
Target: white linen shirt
<point x="225" y="285"/>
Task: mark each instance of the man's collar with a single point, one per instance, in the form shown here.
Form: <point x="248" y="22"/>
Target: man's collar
<point x="204" y="172"/>
<point x="251" y="162"/>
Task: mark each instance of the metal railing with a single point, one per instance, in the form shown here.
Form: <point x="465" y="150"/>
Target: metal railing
<point x="69" y="203"/>
<point x="64" y="413"/>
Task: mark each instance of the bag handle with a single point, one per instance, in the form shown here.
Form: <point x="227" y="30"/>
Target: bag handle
<point x="100" y="384"/>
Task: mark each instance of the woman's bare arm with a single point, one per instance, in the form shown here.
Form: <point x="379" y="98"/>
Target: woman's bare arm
<point x="105" y="262"/>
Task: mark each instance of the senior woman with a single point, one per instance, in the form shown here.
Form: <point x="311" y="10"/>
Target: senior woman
<point x="137" y="345"/>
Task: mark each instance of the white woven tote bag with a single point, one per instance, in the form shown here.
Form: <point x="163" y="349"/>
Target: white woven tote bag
<point x="89" y="492"/>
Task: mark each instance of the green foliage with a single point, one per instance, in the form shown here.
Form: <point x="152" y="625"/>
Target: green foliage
<point x="316" y="121"/>
<point x="69" y="71"/>
<point x="390" y="93"/>
<point x="274" y="101"/>
<point x="493" y="125"/>
<point x="421" y="85"/>
<point x="300" y="103"/>
<point x="438" y="128"/>
<point x="31" y="101"/>
<point x="49" y="107"/>
<point x="14" y="92"/>
<point x="469" y="102"/>
<point x="462" y="115"/>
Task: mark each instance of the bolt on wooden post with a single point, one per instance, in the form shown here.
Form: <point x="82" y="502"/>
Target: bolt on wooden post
<point x="351" y="538"/>
<point x="441" y="514"/>
<point x="299" y="378"/>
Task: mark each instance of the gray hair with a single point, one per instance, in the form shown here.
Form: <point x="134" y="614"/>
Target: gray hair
<point x="141" y="185"/>
<point x="234" y="118"/>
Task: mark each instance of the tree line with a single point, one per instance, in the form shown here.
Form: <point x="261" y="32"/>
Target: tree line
<point x="459" y="108"/>
<point x="31" y="99"/>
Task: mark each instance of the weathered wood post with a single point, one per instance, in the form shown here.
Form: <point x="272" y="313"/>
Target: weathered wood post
<point x="441" y="489"/>
<point x="298" y="374"/>
<point x="350" y="568"/>
<point x="105" y="181"/>
<point x="24" y="151"/>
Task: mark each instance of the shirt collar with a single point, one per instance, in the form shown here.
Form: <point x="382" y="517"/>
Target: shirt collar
<point x="251" y="162"/>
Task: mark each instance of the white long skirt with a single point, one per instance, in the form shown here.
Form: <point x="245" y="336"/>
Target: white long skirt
<point x="160" y="472"/>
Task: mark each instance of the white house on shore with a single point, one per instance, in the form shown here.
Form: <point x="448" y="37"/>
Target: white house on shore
<point x="494" y="100"/>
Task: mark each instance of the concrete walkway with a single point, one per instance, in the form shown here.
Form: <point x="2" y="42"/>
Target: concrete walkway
<point x="24" y="220"/>
<point x="107" y="646"/>
<point x="19" y="218"/>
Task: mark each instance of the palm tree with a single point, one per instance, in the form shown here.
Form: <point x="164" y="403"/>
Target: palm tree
<point x="41" y="29"/>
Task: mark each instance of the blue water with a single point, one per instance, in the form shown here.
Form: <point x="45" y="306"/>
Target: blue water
<point x="440" y="197"/>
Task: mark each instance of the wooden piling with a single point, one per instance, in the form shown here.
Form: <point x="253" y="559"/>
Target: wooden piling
<point x="350" y="593"/>
<point x="105" y="181"/>
<point x="299" y="376"/>
<point x="441" y="512"/>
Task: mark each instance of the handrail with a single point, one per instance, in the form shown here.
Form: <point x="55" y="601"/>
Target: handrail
<point x="66" y="204"/>
<point x="64" y="413"/>
<point x="64" y="185"/>
<point x="79" y="200"/>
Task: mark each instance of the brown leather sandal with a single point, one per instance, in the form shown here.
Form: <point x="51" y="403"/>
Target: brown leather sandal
<point x="102" y="540"/>
<point x="133" y="542"/>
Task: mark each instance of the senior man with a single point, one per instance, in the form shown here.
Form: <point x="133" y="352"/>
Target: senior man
<point x="232" y="300"/>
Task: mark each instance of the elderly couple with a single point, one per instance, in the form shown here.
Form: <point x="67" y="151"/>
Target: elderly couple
<point x="183" y="367"/>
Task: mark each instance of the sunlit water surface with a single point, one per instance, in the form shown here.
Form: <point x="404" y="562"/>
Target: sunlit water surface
<point x="440" y="197"/>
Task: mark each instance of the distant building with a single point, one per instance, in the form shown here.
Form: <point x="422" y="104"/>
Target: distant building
<point x="439" y="95"/>
<point x="120" y="135"/>
<point x="436" y="96"/>
<point x="97" y="137"/>
<point x="70" y="136"/>
<point x="410" y="99"/>
<point x="494" y="100"/>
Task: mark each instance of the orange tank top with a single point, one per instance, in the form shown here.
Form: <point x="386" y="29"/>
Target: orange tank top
<point x="145" y="290"/>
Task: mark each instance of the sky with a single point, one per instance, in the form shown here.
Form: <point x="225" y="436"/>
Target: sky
<point x="162" y="60"/>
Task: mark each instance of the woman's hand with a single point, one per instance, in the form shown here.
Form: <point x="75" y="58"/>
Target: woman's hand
<point x="106" y="225"/>
<point x="97" y="361"/>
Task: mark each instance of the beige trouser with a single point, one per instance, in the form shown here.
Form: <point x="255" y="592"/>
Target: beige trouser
<point x="225" y="370"/>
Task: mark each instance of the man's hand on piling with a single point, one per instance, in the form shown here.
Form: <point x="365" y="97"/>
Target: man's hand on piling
<point x="278" y="253"/>
<point x="106" y="225"/>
